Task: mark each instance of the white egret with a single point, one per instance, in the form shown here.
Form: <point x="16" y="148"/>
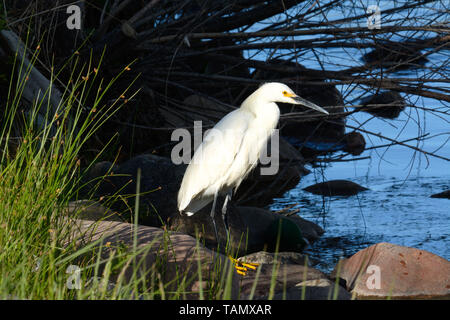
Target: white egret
<point x="232" y="149"/>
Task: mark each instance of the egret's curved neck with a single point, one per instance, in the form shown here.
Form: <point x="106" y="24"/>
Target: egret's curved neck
<point x="257" y="104"/>
<point x="266" y="112"/>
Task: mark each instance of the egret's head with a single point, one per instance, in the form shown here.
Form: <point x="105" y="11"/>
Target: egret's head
<point x="279" y="92"/>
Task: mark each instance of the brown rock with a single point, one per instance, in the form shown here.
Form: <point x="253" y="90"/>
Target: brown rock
<point x="404" y="273"/>
<point x="289" y="282"/>
<point x="180" y="254"/>
<point x="91" y="210"/>
<point x="287" y="275"/>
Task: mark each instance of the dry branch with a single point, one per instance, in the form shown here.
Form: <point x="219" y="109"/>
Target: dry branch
<point x="221" y="50"/>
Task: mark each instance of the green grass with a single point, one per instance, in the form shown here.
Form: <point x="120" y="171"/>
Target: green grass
<point x="39" y="174"/>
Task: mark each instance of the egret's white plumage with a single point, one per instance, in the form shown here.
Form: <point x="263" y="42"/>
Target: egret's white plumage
<point x="232" y="148"/>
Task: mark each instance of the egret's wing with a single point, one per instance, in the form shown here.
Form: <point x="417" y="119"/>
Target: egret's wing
<point x="213" y="158"/>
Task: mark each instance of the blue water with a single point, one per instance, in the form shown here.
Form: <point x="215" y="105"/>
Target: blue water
<point x="394" y="210"/>
<point x="398" y="207"/>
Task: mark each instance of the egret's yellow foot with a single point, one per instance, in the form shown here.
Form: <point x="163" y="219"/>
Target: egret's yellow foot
<point x="242" y="267"/>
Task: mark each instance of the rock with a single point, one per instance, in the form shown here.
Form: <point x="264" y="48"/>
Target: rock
<point x="310" y="230"/>
<point x="287" y="276"/>
<point x="263" y="257"/>
<point x="295" y="280"/>
<point x="160" y="181"/>
<point x="388" y="270"/>
<point x="443" y="194"/>
<point x="335" y="188"/>
<point x="91" y="210"/>
<point x="395" y="56"/>
<point x="102" y="168"/>
<point x="179" y="254"/>
<point x="320" y="289"/>
<point x="395" y="104"/>
<point x="355" y="143"/>
<point x="96" y="180"/>
<point x="160" y="178"/>
<point x="259" y="220"/>
<point x="286" y="234"/>
<point x="248" y="228"/>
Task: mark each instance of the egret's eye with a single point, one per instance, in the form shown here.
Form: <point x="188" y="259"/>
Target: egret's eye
<point x="285" y="93"/>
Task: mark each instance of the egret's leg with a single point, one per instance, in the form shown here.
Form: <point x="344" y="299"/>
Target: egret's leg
<point x="212" y="216"/>
<point x="241" y="266"/>
<point x="224" y="212"/>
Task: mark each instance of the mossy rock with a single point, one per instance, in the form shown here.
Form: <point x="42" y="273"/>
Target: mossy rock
<point x="289" y="234"/>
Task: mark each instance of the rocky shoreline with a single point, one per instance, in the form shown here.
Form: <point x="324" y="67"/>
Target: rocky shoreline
<point x="380" y="271"/>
